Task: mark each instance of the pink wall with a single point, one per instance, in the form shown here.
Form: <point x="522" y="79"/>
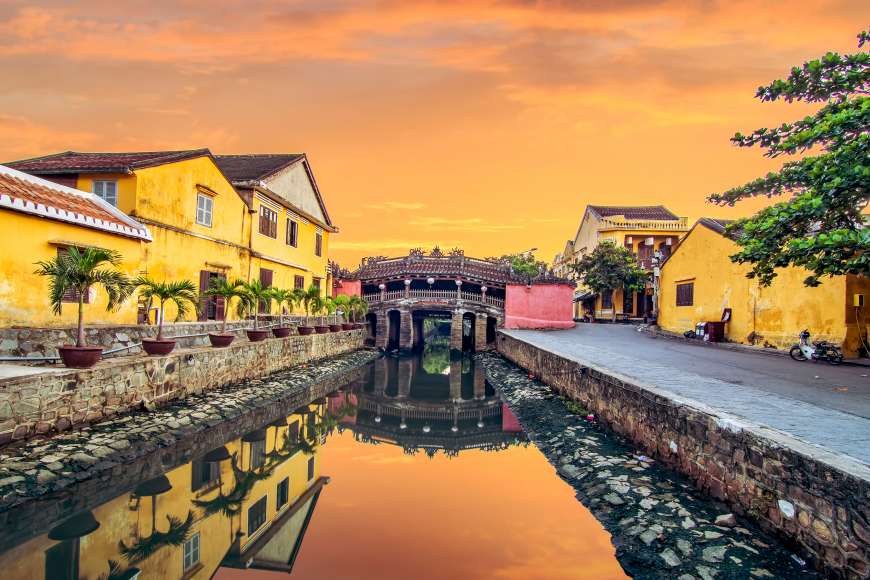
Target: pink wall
<point x="347" y="287"/>
<point x="541" y="306"/>
<point x="509" y="423"/>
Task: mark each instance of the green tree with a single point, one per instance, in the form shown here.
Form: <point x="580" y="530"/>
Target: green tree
<point x="524" y="265"/>
<point x="821" y="227"/>
<point x="282" y="297"/>
<point x="75" y="270"/>
<point x="228" y="290"/>
<point x="608" y="268"/>
<point x="342" y="303"/>
<point x="255" y="294"/>
<point x="182" y="292"/>
<point x="307" y="299"/>
<point x="359" y="306"/>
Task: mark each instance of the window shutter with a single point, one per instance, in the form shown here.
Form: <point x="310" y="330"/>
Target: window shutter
<point x="220" y="303"/>
<point x="72" y="296"/>
<point x="203" y="286"/>
<point x="318" y="245"/>
<point x="266" y="281"/>
<point x="196" y="475"/>
<point x="299" y="282"/>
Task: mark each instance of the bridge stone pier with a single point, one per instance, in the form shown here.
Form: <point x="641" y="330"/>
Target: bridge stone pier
<point x="476" y="296"/>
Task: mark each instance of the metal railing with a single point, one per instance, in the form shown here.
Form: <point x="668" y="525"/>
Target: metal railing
<point x="436" y="295"/>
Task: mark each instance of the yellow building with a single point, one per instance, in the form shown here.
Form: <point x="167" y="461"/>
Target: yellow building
<point x="203" y="226"/>
<point x="39" y="219"/>
<point x="642" y="229"/>
<point x="277" y="480"/>
<point x="699" y="281"/>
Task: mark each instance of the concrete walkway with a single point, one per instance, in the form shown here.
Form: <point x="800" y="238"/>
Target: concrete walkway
<point x="779" y="392"/>
<point x="14" y="371"/>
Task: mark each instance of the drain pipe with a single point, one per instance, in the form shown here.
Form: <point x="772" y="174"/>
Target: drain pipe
<point x="105" y="352"/>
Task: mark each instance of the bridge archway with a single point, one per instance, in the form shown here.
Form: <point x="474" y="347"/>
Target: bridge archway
<point x="394" y="324"/>
<point x="469" y="322"/>
<point x="491" y="327"/>
<point x="372" y="328"/>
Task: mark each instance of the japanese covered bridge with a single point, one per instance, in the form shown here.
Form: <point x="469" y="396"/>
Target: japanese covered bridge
<point x="479" y="296"/>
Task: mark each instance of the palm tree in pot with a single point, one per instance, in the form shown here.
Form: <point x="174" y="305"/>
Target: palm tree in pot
<point x="318" y="306"/>
<point x="359" y="306"/>
<point x="228" y="290"/>
<point x="342" y="302"/>
<point x="282" y="297"/>
<point x="330" y="307"/>
<point x="306" y="298"/>
<point x="256" y="295"/>
<point x="186" y="298"/>
<point x="75" y="271"/>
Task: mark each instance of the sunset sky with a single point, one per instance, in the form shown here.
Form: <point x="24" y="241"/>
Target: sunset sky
<point x="484" y="124"/>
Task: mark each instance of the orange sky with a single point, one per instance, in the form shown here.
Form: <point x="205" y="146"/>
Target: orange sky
<point x="483" y="124"/>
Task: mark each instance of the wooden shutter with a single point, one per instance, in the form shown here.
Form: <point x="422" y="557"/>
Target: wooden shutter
<point x="686" y="294"/>
<point x="203" y="286"/>
<point x="318" y="245"/>
<point x="266" y="281"/>
<point x="299" y="282"/>
<point x="220" y="303"/>
<point x="607" y="300"/>
<point x="627" y="302"/>
<point x="72" y="296"/>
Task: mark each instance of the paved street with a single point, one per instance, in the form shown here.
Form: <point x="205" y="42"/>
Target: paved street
<point x="776" y="391"/>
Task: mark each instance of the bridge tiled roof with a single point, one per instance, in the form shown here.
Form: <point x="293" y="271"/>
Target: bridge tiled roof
<point x="490" y="270"/>
<point x="643" y="212"/>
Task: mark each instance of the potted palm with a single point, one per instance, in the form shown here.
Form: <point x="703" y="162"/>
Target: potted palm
<point x="256" y="294"/>
<point x="343" y="302"/>
<point x="75" y="270"/>
<point x="358" y="305"/>
<point x="318" y="305"/>
<point x="186" y="298"/>
<point x="282" y="297"/>
<point x="330" y="307"/>
<point x="306" y="298"/>
<point x="228" y="290"/>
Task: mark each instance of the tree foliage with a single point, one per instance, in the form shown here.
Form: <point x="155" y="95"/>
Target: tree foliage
<point x="524" y="265"/>
<point x="821" y="227"/>
<point x="609" y="267"/>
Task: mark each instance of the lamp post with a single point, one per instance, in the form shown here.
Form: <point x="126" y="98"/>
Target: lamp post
<point x="382" y="287"/>
<point x="483" y="294"/>
<point x="458" y="289"/>
<point x="407" y="287"/>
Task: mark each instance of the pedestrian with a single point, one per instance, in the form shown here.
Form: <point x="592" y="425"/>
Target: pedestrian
<point x="654" y="324"/>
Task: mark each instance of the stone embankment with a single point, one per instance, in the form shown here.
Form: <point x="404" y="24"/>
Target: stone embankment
<point x="662" y="526"/>
<point x="47" y="480"/>
<point x="57" y="401"/>
<point x="813" y="500"/>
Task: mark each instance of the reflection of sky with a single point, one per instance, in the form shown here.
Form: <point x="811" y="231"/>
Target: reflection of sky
<point x="478" y="515"/>
<point x="487" y="124"/>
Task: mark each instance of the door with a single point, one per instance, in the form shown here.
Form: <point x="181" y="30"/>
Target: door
<point x="266" y="281"/>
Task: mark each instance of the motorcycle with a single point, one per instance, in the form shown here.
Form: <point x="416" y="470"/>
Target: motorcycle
<point x="818" y="350"/>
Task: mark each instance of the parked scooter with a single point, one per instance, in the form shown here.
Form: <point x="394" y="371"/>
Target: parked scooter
<point x="818" y="350"/>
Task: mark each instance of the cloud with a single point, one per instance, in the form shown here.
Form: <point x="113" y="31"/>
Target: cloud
<point x="394" y="205"/>
<point x="27" y="139"/>
<point x="472" y="224"/>
<point x="391" y="244"/>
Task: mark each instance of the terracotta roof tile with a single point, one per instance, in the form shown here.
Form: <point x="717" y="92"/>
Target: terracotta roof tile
<point x="255" y="167"/>
<point x="643" y="212"/>
<point x="21" y="192"/>
<point x="467" y="268"/>
<point x="75" y="162"/>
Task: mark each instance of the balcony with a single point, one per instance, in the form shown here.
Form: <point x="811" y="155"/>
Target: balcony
<point x="681" y="224"/>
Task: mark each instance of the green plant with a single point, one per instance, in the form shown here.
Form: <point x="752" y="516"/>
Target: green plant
<point x="575" y="408"/>
<point x="525" y="265"/>
<point x="75" y="270"/>
<point x="307" y="298"/>
<point x="281" y="297"/>
<point x="342" y="302"/>
<point x="182" y="292"/>
<point x="359" y="306"/>
<point x="755" y="511"/>
<point x="228" y="290"/>
<point x="608" y="268"/>
<point x="822" y="227"/>
<point x="255" y="294"/>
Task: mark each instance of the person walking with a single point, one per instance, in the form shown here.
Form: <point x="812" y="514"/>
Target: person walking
<point x="654" y="324"/>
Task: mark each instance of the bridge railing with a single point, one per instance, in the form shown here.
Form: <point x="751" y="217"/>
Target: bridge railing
<point x="436" y="294"/>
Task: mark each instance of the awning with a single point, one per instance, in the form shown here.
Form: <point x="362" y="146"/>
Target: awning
<point x="585" y="296"/>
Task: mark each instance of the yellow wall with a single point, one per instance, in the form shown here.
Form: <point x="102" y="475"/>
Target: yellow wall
<point x="776" y="313"/>
<point x="24" y="295"/>
<point x="126" y="187"/>
<point x="120" y="519"/>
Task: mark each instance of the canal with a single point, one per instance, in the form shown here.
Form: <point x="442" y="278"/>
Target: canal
<point x="412" y="466"/>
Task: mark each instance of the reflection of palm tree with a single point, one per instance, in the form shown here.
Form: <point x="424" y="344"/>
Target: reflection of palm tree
<point x="331" y="419"/>
<point x="115" y="572"/>
<point x="143" y="547"/>
<point x="244" y="481"/>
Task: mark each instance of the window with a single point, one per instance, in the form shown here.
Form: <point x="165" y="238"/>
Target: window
<point x="627" y="302"/>
<point x="268" y="222"/>
<point x="204" y="205"/>
<point x="257" y="516"/>
<point x="310" y="468"/>
<point x="283" y="494"/>
<point x="607" y="300"/>
<point x="686" y="294"/>
<point x="299" y="282"/>
<point x="203" y="473"/>
<point x="107" y="189"/>
<point x="258" y="453"/>
<point x="316" y="283"/>
<point x="191" y="552"/>
<point x="73" y="295"/>
<point x="318" y="245"/>
<point x="292" y="233"/>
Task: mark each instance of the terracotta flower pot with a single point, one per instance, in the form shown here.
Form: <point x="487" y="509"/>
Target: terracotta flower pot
<point x="257" y="335"/>
<point x="334" y="328"/>
<point x="305" y="330"/>
<point x="282" y="331"/>
<point x="356" y="326"/>
<point x="347" y="326"/>
<point x="83" y="357"/>
<point x="158" y="347"/>
<point x="221" y="340"/>
<point x="321" y="329"/>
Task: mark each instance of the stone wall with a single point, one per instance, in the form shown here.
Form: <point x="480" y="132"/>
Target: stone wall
<point x="50" y="401"/>
<point x="43" y="342"/>
<point x="815" y="501"/>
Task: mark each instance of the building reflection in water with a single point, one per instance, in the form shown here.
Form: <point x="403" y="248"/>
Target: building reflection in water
<point x="419" y="404"/>
<point x="243" y="505"/>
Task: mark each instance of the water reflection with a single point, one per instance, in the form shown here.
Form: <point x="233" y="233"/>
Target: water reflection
<point x="246" y="504"/>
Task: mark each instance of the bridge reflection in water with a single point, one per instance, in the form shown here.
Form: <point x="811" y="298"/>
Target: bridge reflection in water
<point x="438" y="402"/>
